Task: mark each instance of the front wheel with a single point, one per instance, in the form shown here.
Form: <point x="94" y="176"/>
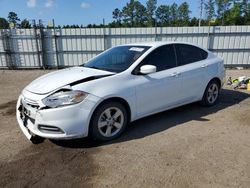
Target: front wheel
<point x="108" y="121"/>
<point x="211" y="94"/>
<point x="36" y="139"/>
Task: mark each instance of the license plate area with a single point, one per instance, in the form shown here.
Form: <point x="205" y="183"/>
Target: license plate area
<point x="26" y="111"/>
<point x="26" y="114"/>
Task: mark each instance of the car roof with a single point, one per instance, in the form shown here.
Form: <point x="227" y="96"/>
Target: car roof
<point x="160" y="43"/>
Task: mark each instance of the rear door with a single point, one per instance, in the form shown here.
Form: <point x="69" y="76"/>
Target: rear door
<point x="192" y="65"/>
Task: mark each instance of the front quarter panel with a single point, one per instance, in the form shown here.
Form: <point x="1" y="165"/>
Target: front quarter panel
<point x="120" y="85"/>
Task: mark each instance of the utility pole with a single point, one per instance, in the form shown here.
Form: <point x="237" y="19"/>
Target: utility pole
<point x="201" y="4"/>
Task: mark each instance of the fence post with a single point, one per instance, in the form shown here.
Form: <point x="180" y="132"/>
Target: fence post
<point x="104" y="35"/>
<point x="155" y="29"/>
<point x="208" y="36"/>
<point x="7" y="49"/>
<point x="42" y="44"/>
<point x="37" y="44"/>
<point x="56" y="48"/>
<point x="104" y="40"/>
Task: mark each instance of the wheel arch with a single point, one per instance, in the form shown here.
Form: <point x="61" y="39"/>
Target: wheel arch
<point x="116" y="99"/>
<point x="217" y="80"/>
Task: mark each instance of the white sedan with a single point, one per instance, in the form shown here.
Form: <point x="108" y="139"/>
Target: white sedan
<point x="118" y="86"/>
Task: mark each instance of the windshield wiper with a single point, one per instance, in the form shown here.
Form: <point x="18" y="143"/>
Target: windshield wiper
<point x="98" y="68"/>
<point x="94" y="67"/>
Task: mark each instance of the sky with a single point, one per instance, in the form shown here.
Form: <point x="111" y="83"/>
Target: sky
<point x="81" y="12"/>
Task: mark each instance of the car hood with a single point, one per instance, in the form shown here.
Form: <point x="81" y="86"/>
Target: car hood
<point x="70" y="76"/>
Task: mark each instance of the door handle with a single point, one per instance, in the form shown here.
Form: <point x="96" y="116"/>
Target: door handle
<point x="204" y="66"/>
<point x="175" y="74"/>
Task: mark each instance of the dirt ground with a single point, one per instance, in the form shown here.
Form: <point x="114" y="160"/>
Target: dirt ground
<point x="191" y="146"/>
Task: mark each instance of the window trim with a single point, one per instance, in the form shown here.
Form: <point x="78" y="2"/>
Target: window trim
<point x="175" y="46"/>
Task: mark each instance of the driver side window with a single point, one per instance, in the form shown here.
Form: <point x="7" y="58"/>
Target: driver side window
<point x="163" y="58"/>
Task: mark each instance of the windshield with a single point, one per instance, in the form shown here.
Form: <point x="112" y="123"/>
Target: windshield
<point x="117" y="59"/>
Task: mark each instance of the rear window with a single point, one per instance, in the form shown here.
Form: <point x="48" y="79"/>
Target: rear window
<point x="189" y="54"/>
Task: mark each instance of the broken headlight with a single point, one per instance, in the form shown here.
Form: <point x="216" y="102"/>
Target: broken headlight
<point x="64" y="98"/>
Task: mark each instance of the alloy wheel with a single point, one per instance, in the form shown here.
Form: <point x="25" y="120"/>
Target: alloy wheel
<point x="212" y="93"/>
<point x="110" y="122"/>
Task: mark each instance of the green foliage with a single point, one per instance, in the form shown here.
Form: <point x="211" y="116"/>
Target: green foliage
<point x="222" y="12"/>
<point x="233" y="16"/>
<point x="151" y="8"/>
<point x="210" y="9"/>
<point x="117" y="15"/>
<point x="25" y="24"/>
<point x="183" y="14"/>
<point x="174" y="14"/>
<point x="13" y="18"/>
<point x="136" y="14"/>
<point x="163" y="15"/>
<point x="222" y="7"/>
<point x="4" y="23"/>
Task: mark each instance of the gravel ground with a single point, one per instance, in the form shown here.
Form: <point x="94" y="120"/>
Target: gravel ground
<point x="190" y="146"/>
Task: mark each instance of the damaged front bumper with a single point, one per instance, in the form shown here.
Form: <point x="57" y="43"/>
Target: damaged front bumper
<point x="66" y="122"/>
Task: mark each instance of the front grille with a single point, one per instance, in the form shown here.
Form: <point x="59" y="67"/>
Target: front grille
<point x="31" y="103"/>
<point x="49" y="129"/>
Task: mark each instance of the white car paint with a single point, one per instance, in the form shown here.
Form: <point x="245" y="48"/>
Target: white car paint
<point x="144" y="94"/>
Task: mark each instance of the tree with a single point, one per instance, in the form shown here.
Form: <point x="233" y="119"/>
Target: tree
<point x="13" y="18"/>
<point x="247" y="17"/>
<point x="233" y="16"/>
<point x="183" y="14"/>
<point x="140" y="14"/>
<point x="129" y="13"/>
<point x="25" y="24"/>
<point x="222" y="7"/>
<point x="246" y="11"/>
<point x="163" y="15"/>
<point x="245" y="7"/>
<point x="134" y="14"/>
<point x="210" y="10"/>
<point x="117" y="15"/>
<point x="174" y="14"/>
<point x="201" y="6"/>
<point x="4" y="23"/>
<point x="194" y="22"/>
<point x="151" y="8"/>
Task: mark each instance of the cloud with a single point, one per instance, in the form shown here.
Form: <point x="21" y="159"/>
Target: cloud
<point x="49" y="3"/>
<point x="31" y="3"/>
<point x="85" y="5"/>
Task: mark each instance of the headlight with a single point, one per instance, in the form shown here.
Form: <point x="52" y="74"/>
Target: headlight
<point x="64" y="98"/>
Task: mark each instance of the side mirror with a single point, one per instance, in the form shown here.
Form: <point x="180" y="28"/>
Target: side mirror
<point x="147" y="69"/>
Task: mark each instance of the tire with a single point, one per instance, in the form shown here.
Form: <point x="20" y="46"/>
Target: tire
<point x="211" y="94"/>
<point x="36" y="139"/>
<point x="108" y="121"/>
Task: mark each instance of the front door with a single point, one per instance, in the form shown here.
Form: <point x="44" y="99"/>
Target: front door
<point x="159" y="90"/>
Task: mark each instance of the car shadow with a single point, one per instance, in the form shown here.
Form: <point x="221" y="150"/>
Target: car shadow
<point x="163" y="121"/>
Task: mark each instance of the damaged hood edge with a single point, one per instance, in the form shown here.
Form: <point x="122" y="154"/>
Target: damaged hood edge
<point x="70" y="76"/>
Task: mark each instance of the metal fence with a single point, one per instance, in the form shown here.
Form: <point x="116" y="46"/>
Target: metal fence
<point x="51" y="48"/>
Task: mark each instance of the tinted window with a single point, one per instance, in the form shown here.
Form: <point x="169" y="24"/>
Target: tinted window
<point x="163" y="58"/>
<point x="188" y="54"/>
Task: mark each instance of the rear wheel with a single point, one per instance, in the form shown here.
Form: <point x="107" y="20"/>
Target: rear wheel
<point x="211" y="94"/>
<point x="108" y="121"/>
